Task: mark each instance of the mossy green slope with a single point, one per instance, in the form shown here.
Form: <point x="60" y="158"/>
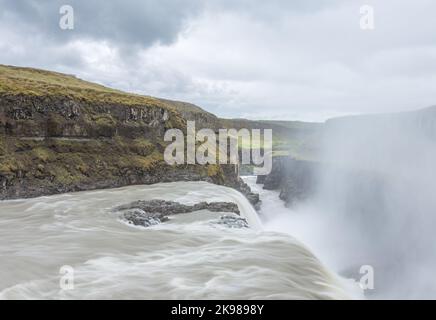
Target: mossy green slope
<point x="59" y="133"/>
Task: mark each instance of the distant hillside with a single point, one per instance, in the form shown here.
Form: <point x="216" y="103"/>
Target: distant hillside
<point x="294" y="138"/>
<point x="282" y="130"/>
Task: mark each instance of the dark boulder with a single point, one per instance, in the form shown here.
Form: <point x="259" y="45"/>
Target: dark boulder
<point x="231" y="221"/>
<point x="152" y="212"/>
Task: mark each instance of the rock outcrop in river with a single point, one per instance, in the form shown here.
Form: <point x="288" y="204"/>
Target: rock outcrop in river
<point x="152" y="212"/>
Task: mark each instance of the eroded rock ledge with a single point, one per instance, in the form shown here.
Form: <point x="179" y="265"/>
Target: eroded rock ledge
<point x="152" y="212"/>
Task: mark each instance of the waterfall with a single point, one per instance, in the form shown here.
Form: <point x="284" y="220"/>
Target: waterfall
<point x="188" y="257"/>
<point x="374" y="204"/>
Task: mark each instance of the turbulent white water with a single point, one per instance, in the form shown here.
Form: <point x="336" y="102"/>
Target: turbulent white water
<point x="189" y="257"/>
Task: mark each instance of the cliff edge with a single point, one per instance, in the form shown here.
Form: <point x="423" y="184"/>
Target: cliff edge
<point x="60" y="134"/>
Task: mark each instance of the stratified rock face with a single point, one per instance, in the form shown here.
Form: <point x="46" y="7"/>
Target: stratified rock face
<point x="152" y="212"/>
<point x="202" y="118"/>
<point x="295" y="179"/>
<point x="61" y="134"/>
<point x="35" y="116"/>
<point x="243" y="188"/>
<point x="53" y="145"/>
<point x="58" y="144"/>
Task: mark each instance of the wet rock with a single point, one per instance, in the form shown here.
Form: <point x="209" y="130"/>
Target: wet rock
<point x="163" y="207"/>
<point x="295" y="179"/>
<point x="252" y="197"/>
<point x="235" y="182"/>
<point x="261" y="179"/>
<point x="217" y="207"/>
<point x="152" y="212"/>
<point x="233" y="222"/>
<point x="139" y="217"/>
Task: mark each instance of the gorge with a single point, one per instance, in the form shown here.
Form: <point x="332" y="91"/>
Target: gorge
<point x="84" y="184"/>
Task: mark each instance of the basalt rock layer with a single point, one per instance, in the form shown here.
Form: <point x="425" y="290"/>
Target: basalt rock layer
<point x="61" y="134"/>
<point x="295" y="179"/>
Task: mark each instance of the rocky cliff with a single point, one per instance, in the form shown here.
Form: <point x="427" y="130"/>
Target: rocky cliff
<point x="295" y="179"/>
<point x="60" y="134"/>
<point x="348" y="189"/>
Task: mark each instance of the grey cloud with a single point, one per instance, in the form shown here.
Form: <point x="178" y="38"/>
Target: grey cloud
<point x="273" y="9"/>
<point x="238" y="58"/>
<point x="135" y="22"/>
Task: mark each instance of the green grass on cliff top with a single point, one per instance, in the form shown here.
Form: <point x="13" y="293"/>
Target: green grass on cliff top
<point x="29" y="81"/>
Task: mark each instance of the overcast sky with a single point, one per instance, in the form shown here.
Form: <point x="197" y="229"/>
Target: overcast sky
<point x="257" y="59"/>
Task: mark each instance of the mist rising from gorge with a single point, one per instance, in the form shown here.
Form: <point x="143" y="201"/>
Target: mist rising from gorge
<point x="375" y="202"/>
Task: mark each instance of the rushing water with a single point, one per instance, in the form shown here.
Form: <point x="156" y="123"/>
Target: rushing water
<point x="189" y="257"/>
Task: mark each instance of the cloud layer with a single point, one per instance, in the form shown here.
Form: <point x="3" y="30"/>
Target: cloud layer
<point x="257" y="59"/>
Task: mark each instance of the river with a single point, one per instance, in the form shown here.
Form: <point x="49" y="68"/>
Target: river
<point x="77" y="235"/>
